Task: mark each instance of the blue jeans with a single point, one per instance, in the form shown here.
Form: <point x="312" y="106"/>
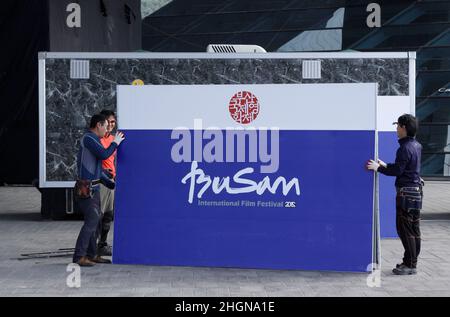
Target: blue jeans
<point x="87" y="238"/>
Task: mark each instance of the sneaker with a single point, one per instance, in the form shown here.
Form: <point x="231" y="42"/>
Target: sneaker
<point x="404" y="270"/>
<point x="105" y="250"/>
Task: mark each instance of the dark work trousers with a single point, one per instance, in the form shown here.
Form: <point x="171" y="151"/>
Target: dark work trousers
<point x="87" y="239"/>
<point x="408" y="229"/>
<point x="107" y="219"/>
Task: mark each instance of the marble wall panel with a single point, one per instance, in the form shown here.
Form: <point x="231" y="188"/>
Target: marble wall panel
<point x="71" y="102"/>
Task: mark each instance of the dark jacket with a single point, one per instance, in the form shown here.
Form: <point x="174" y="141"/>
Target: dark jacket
<point x="407" y="164"/>
<point x="90" y="157"/>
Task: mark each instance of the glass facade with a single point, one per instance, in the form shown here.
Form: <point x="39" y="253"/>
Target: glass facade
<point x="327" y="25"/>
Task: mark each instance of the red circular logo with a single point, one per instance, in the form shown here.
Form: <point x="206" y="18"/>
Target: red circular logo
<point x="244" y="107"/>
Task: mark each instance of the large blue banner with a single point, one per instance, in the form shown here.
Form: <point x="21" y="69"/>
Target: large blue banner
<point x="387" y="147"/>
<point x="279" y="198"/>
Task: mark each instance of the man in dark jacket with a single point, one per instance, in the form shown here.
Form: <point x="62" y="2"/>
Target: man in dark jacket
<point x="90" y="158"/>
<point x="409" y="191"/>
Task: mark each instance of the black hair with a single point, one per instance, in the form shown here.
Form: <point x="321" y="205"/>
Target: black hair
<point x="108" y="113"/>
<point x="96" y="118"/>
<point x="410" y="123"/>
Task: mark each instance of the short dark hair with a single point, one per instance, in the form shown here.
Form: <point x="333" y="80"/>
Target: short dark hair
<point x="108" y="113"/>
<point x="410" y="123"/>
<point x="96" y="118"/>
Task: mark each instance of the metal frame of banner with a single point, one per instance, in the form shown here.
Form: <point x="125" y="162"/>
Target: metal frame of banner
<point x="190" y="55"/>
<point x="376" y="250"/>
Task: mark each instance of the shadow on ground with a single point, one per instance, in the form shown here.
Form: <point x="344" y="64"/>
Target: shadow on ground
<point x="21" y="216"/>
<point x="436" y="216"/>
<point x="36" y="216"/>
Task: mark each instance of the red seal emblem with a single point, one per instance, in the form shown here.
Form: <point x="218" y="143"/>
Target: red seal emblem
<point x="244" y="107"/>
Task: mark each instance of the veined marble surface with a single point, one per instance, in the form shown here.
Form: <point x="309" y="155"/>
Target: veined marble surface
<point x="71" y="102"/>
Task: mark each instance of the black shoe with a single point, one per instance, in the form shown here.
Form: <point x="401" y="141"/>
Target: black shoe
<point x="402" y="269"/>
<point x="105" y="250"/>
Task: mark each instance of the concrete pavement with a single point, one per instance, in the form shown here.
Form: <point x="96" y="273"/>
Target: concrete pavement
<point x="23" y="231"/>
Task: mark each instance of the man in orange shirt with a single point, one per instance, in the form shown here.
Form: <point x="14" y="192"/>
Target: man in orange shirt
<point x="106" y="194"/>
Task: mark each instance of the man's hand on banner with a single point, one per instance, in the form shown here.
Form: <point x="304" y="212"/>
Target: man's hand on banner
<point x="372" y="165"/>
<point x="382" y="163"/>
<point x="119" y="137"/>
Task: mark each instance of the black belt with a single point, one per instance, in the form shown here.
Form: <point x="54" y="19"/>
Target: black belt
<point x="95" y="182"/>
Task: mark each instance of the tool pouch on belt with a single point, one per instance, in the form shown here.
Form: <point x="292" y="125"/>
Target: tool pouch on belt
<point x="410" y="198"/>
<point x="83" y="188"/>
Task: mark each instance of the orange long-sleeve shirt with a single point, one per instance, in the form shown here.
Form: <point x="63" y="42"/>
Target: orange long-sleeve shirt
<point x="109" y="163"/>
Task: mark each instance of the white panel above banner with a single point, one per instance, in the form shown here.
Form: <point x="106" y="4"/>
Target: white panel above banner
<point x="287" y="107"/>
